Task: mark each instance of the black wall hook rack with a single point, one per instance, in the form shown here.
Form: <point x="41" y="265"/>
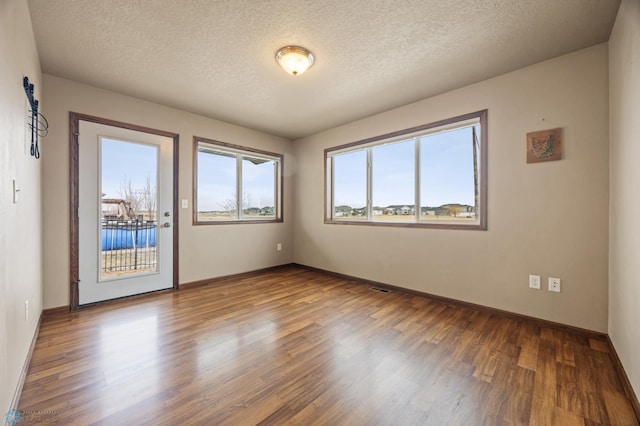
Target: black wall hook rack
<point x="39" y="124"/>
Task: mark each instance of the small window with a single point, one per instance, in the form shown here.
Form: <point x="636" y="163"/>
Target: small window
<point x="428" y="176"/>
<point x="234" y="184"/>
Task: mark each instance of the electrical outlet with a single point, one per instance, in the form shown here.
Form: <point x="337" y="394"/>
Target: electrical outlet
<point x="279" y="246"/>
<point x="554" y="284"/>
<point x="185" y="204"/>
<point x="534" y="281"/>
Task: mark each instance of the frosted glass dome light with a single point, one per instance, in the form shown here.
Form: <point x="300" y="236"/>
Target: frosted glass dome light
<point x="295" y="59"/>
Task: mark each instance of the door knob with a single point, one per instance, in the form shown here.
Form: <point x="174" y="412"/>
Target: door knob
<point x="167" y="214"/>
<point x="166" y="225"/>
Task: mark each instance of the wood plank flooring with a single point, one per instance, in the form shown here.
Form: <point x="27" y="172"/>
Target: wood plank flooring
<point x="294" y="346"/>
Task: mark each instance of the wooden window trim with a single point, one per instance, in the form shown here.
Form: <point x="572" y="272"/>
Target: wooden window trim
<point x="481" y="225"/>
<point x="232" y="147"/>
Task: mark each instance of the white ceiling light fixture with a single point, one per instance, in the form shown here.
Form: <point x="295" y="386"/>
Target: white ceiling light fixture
<point x="295" y="59"/>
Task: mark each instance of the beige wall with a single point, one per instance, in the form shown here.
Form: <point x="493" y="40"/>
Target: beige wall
<point x="20" y="224"/>
<point x="548" y="218"/>
<point x="624" y="240"/>
<point x="205" y="251"/>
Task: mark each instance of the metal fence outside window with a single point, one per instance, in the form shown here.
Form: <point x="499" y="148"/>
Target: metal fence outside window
<point x="128" y="245"/>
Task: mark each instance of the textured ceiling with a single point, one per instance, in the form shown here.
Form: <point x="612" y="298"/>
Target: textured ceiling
<point x="216" y="57"/>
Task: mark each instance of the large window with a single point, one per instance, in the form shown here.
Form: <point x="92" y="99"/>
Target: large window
<point x="235" y="184"/>
<point x="429" y="176"/>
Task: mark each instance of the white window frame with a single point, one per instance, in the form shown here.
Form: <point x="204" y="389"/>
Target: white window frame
<point x="239" y="153"/>
<point x="413" y="134"/>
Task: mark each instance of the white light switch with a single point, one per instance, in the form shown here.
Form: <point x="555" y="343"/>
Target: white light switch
<point x="185" y="204"/>
<point x="15" y="192"/>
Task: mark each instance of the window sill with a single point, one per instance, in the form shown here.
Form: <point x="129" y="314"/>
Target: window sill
<point x="236" y="222"/>
<point x="441" y="225"/>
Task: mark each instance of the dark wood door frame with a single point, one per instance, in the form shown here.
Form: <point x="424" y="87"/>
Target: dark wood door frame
<point x="74" y="176"/>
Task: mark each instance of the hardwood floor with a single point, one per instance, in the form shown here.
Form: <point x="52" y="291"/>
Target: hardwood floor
<point x="294" y="346"/>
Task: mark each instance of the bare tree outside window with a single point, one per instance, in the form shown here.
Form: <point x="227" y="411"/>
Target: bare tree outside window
<point x="149" y="198"/>
<point x="141" y="200"/>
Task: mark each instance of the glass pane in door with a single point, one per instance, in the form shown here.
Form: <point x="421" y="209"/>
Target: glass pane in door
<point x="129" y="209"/>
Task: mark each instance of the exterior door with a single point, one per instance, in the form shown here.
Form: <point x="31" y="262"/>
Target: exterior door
<point x="125" y="212"/>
